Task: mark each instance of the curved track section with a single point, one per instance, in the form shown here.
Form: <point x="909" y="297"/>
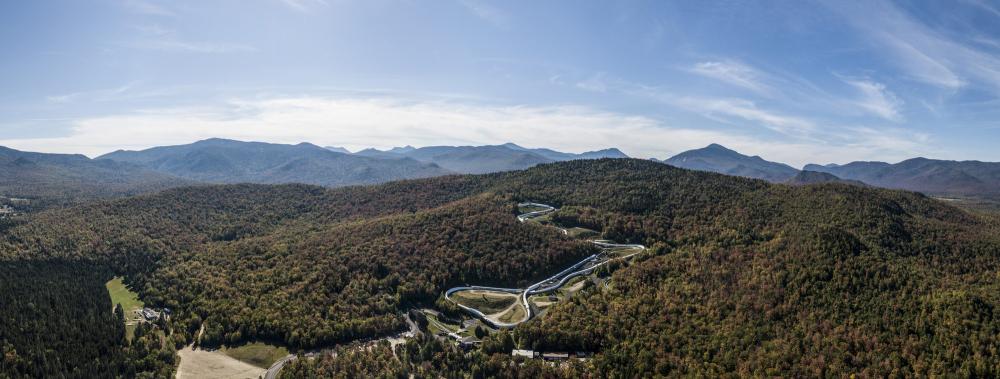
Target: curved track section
<point x="552" y="283"/>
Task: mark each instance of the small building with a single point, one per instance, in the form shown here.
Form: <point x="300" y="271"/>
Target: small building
<point x="468" y="343"/>
<point x="583" y="354"/>
<point x="555" y="356"/>
<point x="149" y="314"/>
<point x="523" y="353"/>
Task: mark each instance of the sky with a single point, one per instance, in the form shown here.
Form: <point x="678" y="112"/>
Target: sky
<point x="825" y="81"/>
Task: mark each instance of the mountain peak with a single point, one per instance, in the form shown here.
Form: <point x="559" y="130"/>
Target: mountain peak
<point x="401" y="150"/>
<point x="718" y="158"/>
<point x="511" y="145"/>
<point x="338" y="149"/>
<point x="215" y="141"/>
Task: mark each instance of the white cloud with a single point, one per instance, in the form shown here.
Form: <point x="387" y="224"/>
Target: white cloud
<point x="877" y="99"/>
<point x="733" y="73"/>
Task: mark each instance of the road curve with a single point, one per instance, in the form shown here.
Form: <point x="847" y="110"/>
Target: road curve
<point x="558" y="280"/>
<point x="272" y="372"/>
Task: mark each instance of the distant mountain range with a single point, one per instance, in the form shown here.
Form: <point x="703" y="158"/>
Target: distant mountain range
<point x="485" y="159"/>
<point x="956" y="178"/>
<point x="228" y="161"/>
<point x="70" y="178"/>
<point x="717" y="158"/>
<point x="930" y="176"/>
<point x="67" y="178"/>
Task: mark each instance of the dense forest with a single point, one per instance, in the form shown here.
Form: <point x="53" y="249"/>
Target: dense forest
<point x="56" y="320"/>
<point x="745" y="278"/>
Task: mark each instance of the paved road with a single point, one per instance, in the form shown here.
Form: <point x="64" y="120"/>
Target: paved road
<point x="552" y="283"/>
<point x="272" y="373"/>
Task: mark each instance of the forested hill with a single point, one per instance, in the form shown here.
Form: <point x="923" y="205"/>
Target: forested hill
<point x="44" y="180"/>
<point x="743" y="278"/>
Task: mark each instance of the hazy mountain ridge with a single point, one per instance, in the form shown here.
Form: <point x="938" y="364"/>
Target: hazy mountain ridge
<point x="487" y="158"/>
<point x="70" y="178"/>
<point x="228" y="161"/>
<point x="930" y="176"/>
<point x="941" y="177"/>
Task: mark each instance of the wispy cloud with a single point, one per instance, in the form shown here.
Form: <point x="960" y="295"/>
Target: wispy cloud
<point x="106" y="94"/>
<point x="877" y="99"/>
<point x="156" y="37"/>
<point x="926" y="54"/>
<point x="172" y="45"/>
<point x="725" y="109"/>
<point x="303" y="5"/>
<point x="734" y="73"/>
<point x="485" y="11"/>
<point x="797" y="138"/>
<point x="147" y="8"/>
<point x="595" y="83"/>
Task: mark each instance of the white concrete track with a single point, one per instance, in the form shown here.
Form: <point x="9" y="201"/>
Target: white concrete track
<point x="552" y="283"/>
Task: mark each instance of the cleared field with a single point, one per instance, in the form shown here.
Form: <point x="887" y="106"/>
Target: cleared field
<point x="258" y="354"/>
<point x="515" y="313"/>
<point x="436" y="326"/>
<point x="120" y="294"/>
<point x="214" y="364"/>
<point x="543" y="302"/>
<point x="129" y="300"/>
<point x="485" y="301"/>
<point x="576" y="284"/>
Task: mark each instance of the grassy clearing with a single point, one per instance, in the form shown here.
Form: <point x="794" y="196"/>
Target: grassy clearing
<point x="485" y="301"/>
<point x="120" y="294"/>
<point x="129" y="300"/>
<point x="258" y="354"/>
<point x="436" y="326"/>
<point x="516" y="313"/>
<point x="543" y="302"/>
<point x="578" y="232"/>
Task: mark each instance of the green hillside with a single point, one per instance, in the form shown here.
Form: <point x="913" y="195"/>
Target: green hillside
<point x="745" y="278"/>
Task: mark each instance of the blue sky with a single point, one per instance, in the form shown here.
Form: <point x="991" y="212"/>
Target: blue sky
<point x="793" y="81"/>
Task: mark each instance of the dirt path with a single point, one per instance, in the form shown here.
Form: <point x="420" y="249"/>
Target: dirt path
<point x="213" y="364"/>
